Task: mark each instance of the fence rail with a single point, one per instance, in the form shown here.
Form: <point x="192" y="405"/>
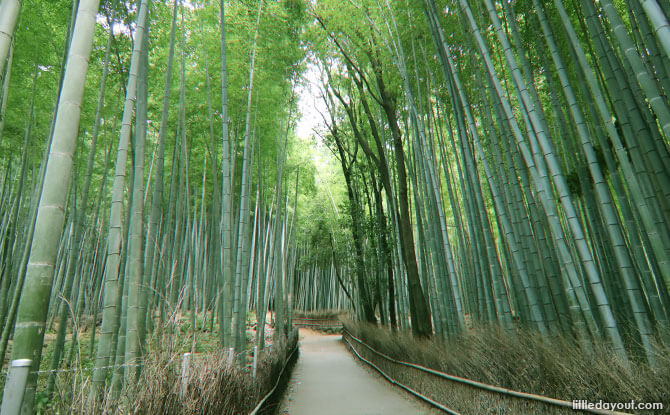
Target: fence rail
<point x="258" y="407"/>
<point x="465" y="381"/>
<point x="395" y="382"/>
<point x="317" y="323"/>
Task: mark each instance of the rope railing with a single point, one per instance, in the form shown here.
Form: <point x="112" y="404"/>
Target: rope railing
<point x="476" y="384"/>
<point x="316" y="319"/>
<point x="333" y="325"/>
<point x="317" y="323"/>
<point x="72" y="370"/>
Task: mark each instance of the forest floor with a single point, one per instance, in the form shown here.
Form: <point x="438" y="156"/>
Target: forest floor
<point x="328" y="380"/>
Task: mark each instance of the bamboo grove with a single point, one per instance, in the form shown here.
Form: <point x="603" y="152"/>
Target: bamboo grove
<point x="498" y="163"/>
<point x="506" y="163"/>
<point x="145" y="178"/>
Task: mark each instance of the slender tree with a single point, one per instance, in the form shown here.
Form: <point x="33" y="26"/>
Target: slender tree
<point x="111" y="312"/>
<point x="9" y="14"/>
<point x="32" y="312"/>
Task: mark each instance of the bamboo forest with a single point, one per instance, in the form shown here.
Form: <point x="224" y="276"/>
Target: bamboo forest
<point x="269" y="206"/>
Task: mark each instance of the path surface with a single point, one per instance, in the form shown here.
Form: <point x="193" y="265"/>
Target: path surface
<point x="327" y="380"/>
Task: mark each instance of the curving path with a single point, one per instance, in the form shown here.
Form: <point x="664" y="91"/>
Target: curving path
<point x="327" y="380"/>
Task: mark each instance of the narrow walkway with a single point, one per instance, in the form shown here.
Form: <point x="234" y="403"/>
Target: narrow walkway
<point x="327" y="380"/>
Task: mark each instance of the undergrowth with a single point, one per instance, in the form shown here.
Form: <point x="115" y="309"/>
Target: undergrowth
<point x="320" y="314"/>
<point x="214" y="385"/>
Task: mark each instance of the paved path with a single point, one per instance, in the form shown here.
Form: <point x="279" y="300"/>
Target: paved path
<point x="327" y="380"/>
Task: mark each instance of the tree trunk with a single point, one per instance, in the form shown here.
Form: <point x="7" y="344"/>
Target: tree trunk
<point x="32" y="312"/>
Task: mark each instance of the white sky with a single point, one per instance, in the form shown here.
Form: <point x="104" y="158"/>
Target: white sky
<point x="310" y="103"/>
<point x="311" y="106"/>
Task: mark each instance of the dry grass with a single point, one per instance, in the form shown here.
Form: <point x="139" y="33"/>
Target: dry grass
<point x="323" y="321"/>
<point x="521" y="361"/>
<point x="320" y="314"/>
<point x="214" y="385"/>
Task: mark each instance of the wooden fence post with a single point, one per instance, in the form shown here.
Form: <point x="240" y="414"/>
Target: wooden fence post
<point x="185" y="371"/>
<point x="253" y="371"/>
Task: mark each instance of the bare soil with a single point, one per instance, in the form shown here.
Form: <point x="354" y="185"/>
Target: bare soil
<point x="327" y="380"/>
